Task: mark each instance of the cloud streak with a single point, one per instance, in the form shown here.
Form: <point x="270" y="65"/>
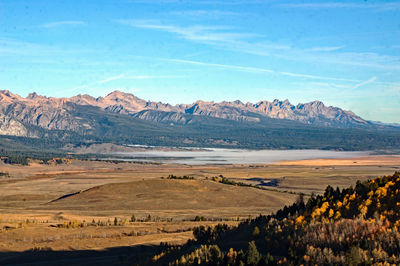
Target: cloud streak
<point x="36" y="50"/>
<point x="366" y="82"/>
<point x="121" y="76"/>
<point x="125" y="76"/>
<point x="257" y="70"/>
<point x="204" y="13"/>
<point x="201" y="2"/>
<point x="347" y="5"/>
<point x="377" y="6"/>
<point x="63" y="23"/>
<point x="327" y="48"/>
<point x="225" y="38"/>
<point x="199" y="33"/>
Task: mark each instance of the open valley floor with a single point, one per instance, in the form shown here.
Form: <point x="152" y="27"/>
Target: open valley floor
<point x="108" y="207"/>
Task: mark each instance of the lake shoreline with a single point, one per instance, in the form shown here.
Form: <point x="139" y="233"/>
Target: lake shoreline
<point x="230" y="156"/>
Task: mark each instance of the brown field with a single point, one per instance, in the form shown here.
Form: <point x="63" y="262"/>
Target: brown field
<point x="73" y="206"/>
<point x="366" y="160"/>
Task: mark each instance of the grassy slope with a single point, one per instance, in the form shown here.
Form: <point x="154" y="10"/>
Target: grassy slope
<point x="355" y="226"/>
<point x="170" y="194"/>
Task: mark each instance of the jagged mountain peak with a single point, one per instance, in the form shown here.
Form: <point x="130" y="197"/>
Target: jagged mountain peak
<point x="201" y="102"/>
<point x="85" y="96"/>
<point x="314" y="112"/>
<point x="7" y="96"/>
<point x="316" y="102"/>
<point x="37" y="98"/>
<point x="281" y="103"/>
<point x="6" y="92"/>
<point x="122" y="96"/>
<point x="118" y="94"/>
<point x="84" y="99"/>
<point x="122" y="116"/>
<point x="32" y="95"/>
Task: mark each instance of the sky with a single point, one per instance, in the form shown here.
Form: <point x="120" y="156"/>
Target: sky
<point x="344" y="53"/>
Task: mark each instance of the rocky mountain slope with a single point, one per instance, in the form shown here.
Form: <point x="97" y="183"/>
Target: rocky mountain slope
<point x="47" y="113"/>
<point x="55" y="113"/>
<point x="123" y="118"/>
<point x="310" y="113"/>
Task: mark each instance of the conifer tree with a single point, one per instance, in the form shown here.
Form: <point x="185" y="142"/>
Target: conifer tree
<point x="252" y="254"/>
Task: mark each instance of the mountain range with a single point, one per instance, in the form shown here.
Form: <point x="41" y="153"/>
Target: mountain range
<point x="123" y="117"/>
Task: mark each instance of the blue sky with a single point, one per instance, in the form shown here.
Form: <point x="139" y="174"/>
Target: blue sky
<point x="344" y="53"/>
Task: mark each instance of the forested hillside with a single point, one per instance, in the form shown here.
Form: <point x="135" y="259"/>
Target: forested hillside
<point x="354" y="226"/>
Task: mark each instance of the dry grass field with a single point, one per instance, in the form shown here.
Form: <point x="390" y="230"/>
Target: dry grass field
<point x="88" y="206"/>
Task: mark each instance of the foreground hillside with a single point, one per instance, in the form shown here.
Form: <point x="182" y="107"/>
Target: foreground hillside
<point x="353" y="226"/>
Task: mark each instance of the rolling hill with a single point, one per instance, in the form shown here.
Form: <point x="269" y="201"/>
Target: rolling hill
<point x="175" y="196"/>
<point x="353" y="226"/>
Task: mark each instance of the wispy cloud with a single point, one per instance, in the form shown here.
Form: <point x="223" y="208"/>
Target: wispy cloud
<point x="35" y="50"/>
<point x="371" y="80"/>
<point x="327" y="48"/>
<point x="198" y="33"/>
<point x="202" y="2"/>
<point x="63" y="23"/>
<point x="223" y="66"/>
<point x="380" y="6"/>
<point x="226" y="38"/>
<point x="204" y="13"/>
<point x="257" y="70"/>
<point x="153" y="77"/>
<point x="372" y="60"/>
<point x="126" y="76"/>
<point x="329" y="85"/>
<point x="121" y="76"/>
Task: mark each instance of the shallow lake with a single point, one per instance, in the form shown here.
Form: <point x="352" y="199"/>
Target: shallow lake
<point x="234" y="156"/>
